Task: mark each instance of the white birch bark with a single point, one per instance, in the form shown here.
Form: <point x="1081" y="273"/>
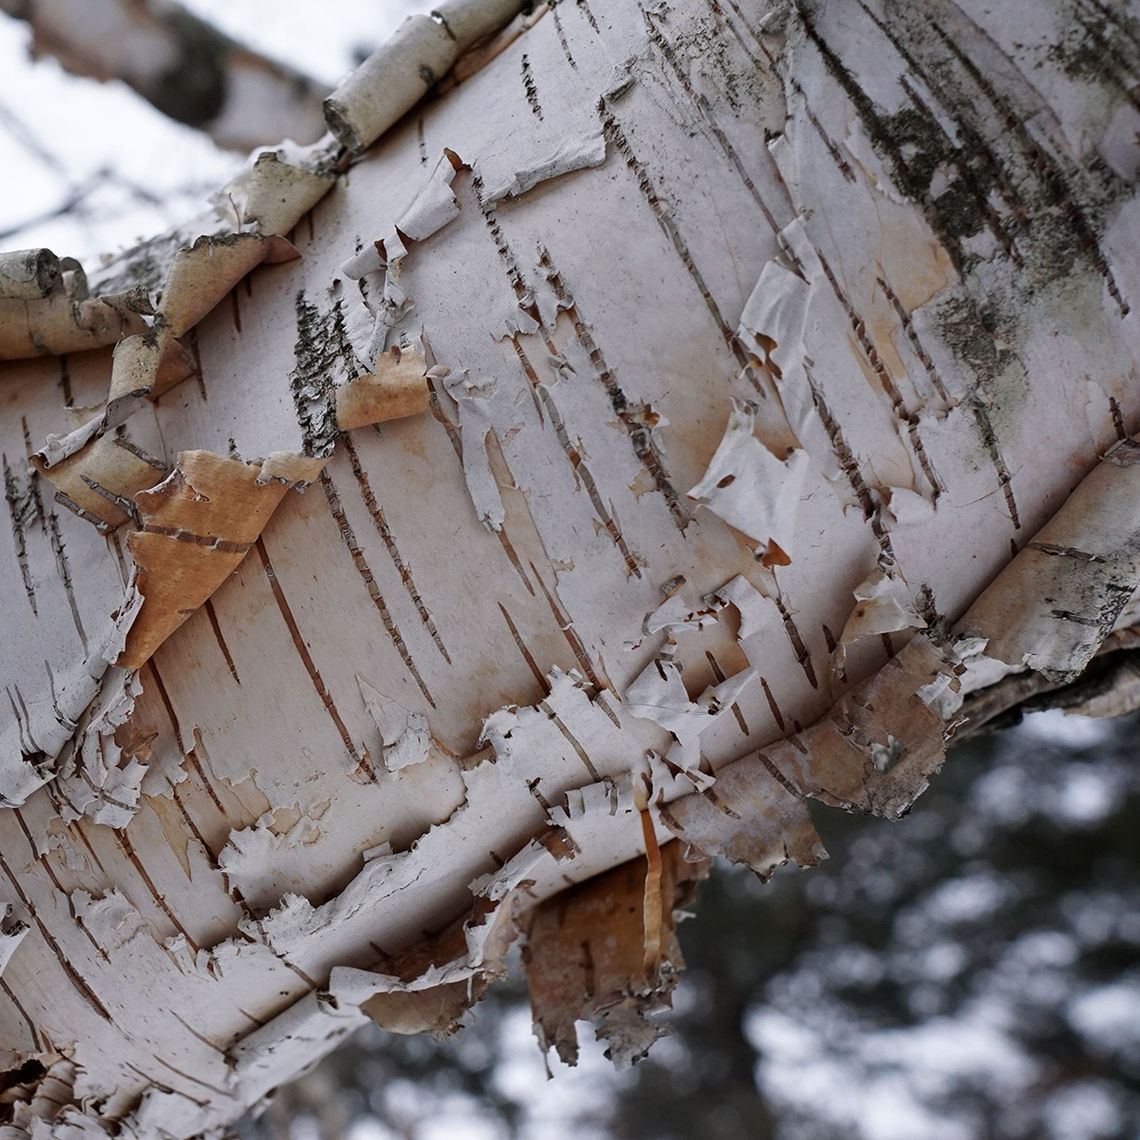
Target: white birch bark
<point x="780" y="383"/>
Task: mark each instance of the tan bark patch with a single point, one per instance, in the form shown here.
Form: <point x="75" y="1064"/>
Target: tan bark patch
<point x="585" y="956"/>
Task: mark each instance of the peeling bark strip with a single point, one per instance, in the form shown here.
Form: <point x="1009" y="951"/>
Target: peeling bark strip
<point x="65" y="322"/>
<point x="396" y="389"/>
<point x="758" y="357"/>
<point x="1081" y="568"/>
<point x="197" y="525"/>
<point x="99" y="483"/>
<point x="397" y="75"/>
<point x="879" y="745"/>
<point x="584" y="958"/>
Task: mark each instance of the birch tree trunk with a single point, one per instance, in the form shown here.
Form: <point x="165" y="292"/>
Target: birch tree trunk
<point x="698" y="408"/>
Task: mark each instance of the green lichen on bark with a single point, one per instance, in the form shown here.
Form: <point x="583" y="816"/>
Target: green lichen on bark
<point x="1100" y="45"/>
<point x="965" y="148"/>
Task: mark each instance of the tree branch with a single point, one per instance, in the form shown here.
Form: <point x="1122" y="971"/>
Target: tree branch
<point x="180" y="64"/>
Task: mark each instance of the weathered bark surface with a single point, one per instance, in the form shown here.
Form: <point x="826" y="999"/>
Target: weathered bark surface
<point x="182" y="65"/>
<point x="758" y="341"/>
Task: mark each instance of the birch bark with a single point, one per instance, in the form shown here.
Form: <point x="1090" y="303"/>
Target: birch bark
<point x="693" y="407"/>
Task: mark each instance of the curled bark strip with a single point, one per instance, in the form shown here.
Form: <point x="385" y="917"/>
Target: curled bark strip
<point x="29" y="274"/>
<point x="197" y="525"/>
<point x="150" y="362"/>
<point x="397" y="388"/>
<point x="750" y="817"/>
<point x="398" y="74"/>
<point x="59" y="323"/>
<point x="652" y="918"/>
<point x="100" y="482"/>
<point x="1053" y="605"/>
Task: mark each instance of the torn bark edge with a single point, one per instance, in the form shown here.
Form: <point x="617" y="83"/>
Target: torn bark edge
<point x="196" y="526"/>
<point x="12" y="931"/>
<point x="38" y="1092"/>
<point x="44" y="306"/>
<point x="876" y="748"/>
<point x="449" y="971"/>
<point x="424" y="988"/>
<point x="1109" y="687"/>
<point x="98" y="697"/>
<point x="270" y="196"/>
<point x="149" y="363"/>
<point x="1068" y="586"/>
<point x="428" y="987"/>
<point x="586" y="952"/>
<point x="58" y="323"/>
<point x="99" y="482"/>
